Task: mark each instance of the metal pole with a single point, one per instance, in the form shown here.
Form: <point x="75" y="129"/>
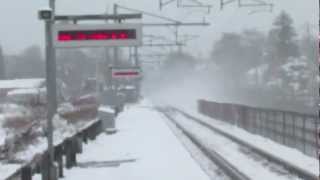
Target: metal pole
<point x="115" y="12"/>
<point x="136" y="56"/>
<point x="318" y="153"/>
<point x="115" y="55"/>
<point x="97" y="79"/>
<point x="108" y="62"/>
<point x="137" y="64"/>
<point x="51" y="87"/>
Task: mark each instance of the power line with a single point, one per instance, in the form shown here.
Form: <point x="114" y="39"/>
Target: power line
<point x="185" y="4"/>
<point x="251" y="3"/>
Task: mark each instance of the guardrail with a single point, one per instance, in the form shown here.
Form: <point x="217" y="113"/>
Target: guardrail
<point x="69" y="148"/>
<point x="292" y="129"/>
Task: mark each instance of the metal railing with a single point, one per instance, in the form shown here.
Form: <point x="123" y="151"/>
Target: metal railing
<point x="291" y="129"/>
<point x="69" y="148"/>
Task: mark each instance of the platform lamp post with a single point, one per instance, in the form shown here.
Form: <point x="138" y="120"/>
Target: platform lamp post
<point x="318" y="128"/>
<point x="48" y="16"/>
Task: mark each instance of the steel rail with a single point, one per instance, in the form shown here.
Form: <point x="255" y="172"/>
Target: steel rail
<point x="230" y="170"/>
<point x="287" y="165"/>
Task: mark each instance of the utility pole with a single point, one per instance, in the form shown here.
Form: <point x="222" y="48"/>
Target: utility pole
<point x="115" y="64"/>
<point x="115" y="53"/>
<point x="318" y="133"/>
<point x="115" y="56"/>
<point x="51" y="88"/>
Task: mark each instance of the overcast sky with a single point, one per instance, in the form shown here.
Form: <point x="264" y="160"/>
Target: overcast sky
<point x="21" y="28"/>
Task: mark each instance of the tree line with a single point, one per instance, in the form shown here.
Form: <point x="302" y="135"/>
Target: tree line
<point x="73" y="66"/>
<point x="278" y="68"/>
<point x="275" y="69"/>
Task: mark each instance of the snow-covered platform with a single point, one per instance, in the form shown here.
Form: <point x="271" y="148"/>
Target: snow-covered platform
<point x="144" y="148"/>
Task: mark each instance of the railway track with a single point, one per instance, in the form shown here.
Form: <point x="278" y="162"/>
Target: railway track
<point x="232" y="171"/>
<point x="228" y="168"/>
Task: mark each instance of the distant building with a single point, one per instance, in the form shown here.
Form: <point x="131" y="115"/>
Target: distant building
<point x="25" y="90"/>
<point x="9" y="85"/>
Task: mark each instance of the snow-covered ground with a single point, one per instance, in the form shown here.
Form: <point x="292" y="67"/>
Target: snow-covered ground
<point x="144" y="148"/>
<point x="62" y="131"/>
<point x="252" y="165"/>
<point x="7" y="111"/>
<point x="7" y="170"/>
<point x="213" y="170"/>
<point x="286" y="153"/>
<point x="184" y="95"/>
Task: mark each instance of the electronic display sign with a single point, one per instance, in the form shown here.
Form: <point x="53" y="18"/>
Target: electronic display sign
<point x="114" y="35"/>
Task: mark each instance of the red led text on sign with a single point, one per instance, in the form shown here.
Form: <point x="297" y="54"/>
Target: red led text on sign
<point x="96" y="35"/>
<point x="126" y="74"/>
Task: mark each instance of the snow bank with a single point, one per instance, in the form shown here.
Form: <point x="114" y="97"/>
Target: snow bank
<point x="144" y="148"/>
<point x="106" y="109"/>
<point x="22" y="83"/>
<point x="7" y="170"/>
<point x="63" y="130"/>
<point x="28" y="96"/>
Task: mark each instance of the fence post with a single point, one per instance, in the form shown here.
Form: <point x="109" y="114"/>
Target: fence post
<point x="85" y="136"/>
<point x="45" y="166"/>
<point x="244" y="117"/>
<point x="74" y="150"/>
<point x="284" y="132"/>
<point x="260" y="122"/>
<point x="219" y="112"/>
<point x="91" y="132"/>
<point x="294" y="130"/>
<point x="100" y="127"/>
<point x="304" y="135"/>
<point x="275" y="122"/>
<point x="256" y="131"/>
<point x="26" y="173"/>
<point x="270" y="124"/>
<point x="249" y="119"/>
<point x="267" y="124"/>
<point x="78" y="144"/>
<point x="69" y="153"/>
<point x="58" y="157"/>
<point x="38" y="167"/>
<point x="253" y="120"/>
